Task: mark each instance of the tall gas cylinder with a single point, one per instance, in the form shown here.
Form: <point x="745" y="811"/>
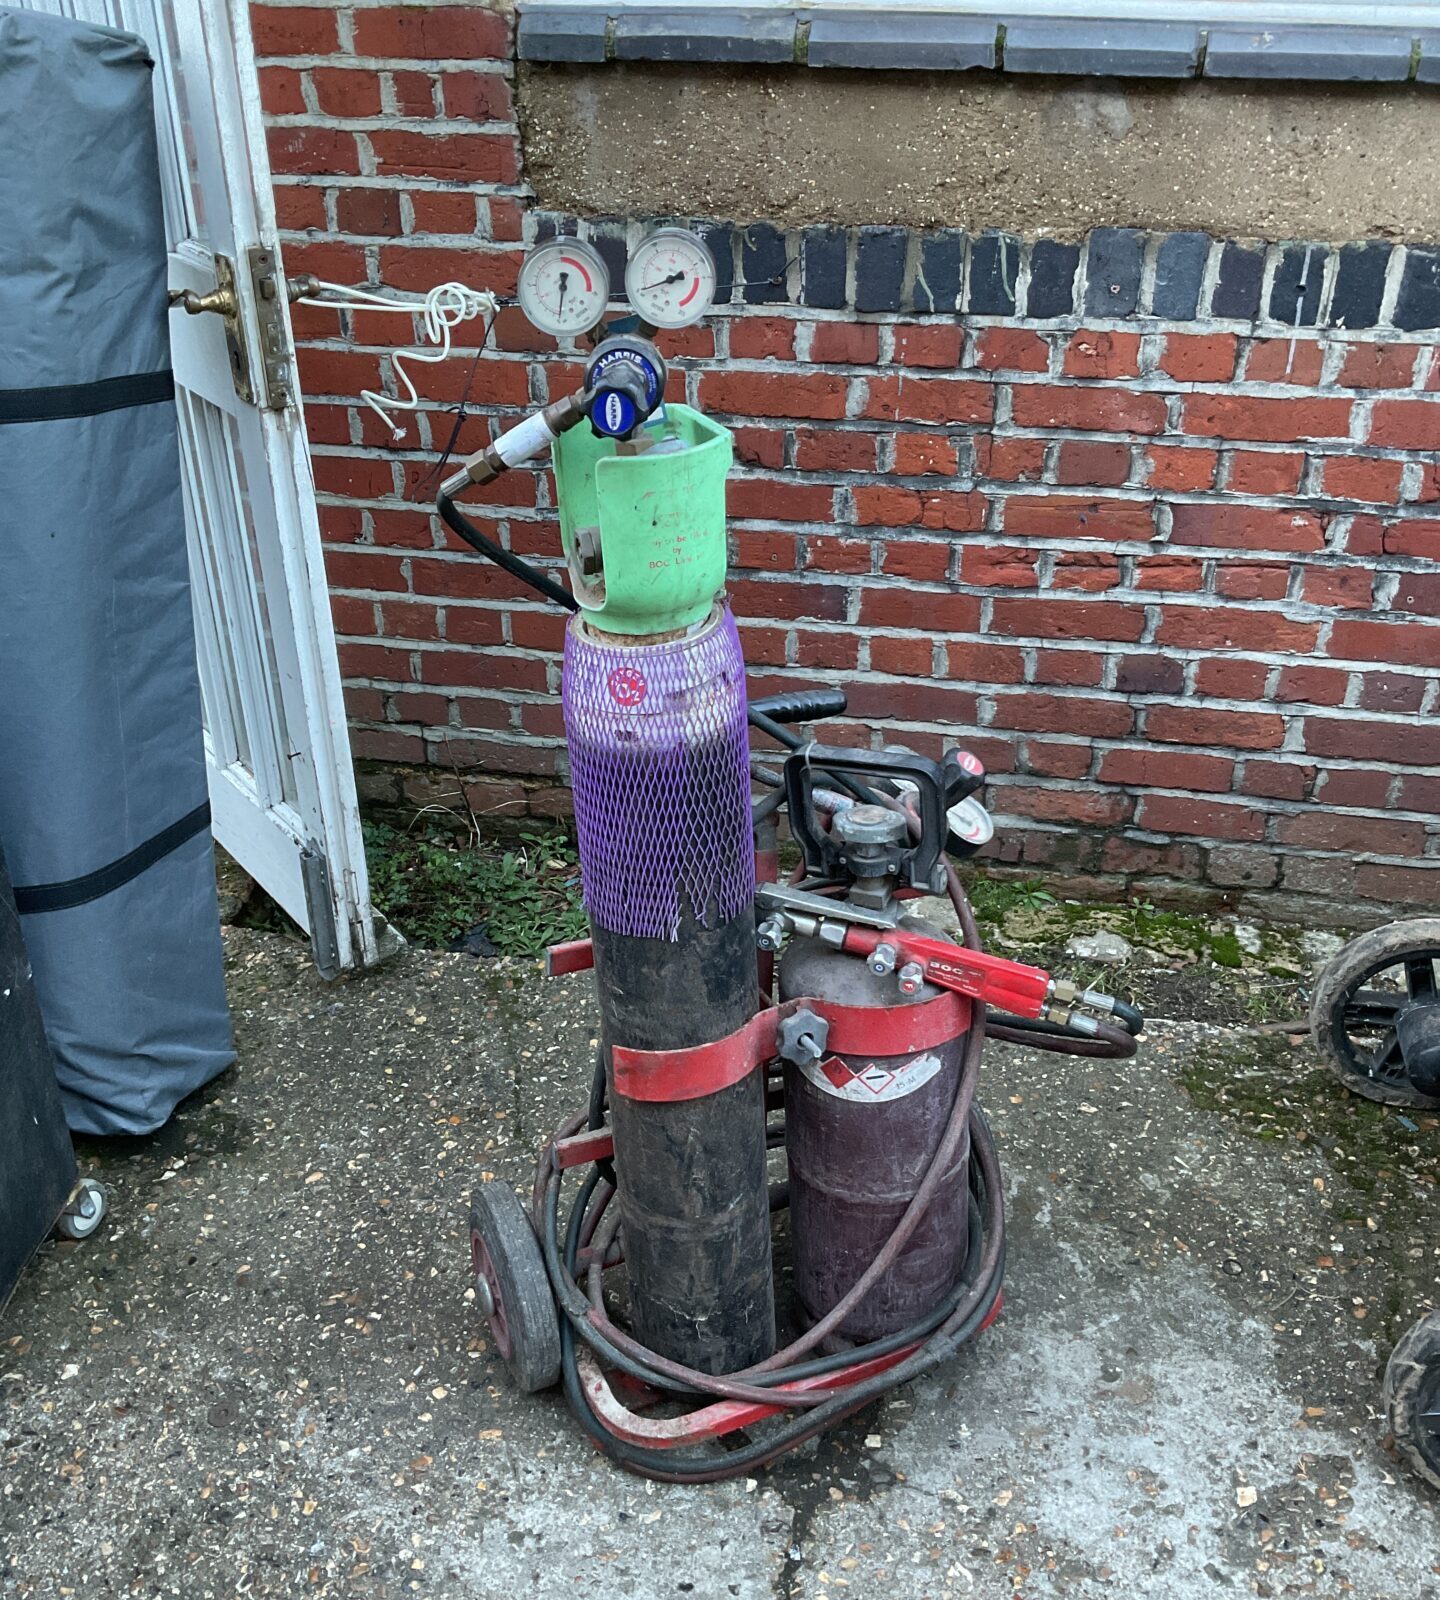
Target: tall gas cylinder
<point x="862" y="1124"/>
<point x="655" y="725"/>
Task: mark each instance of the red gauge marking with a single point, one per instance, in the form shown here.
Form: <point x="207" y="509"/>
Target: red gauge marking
<point x="579" y="266"/>
<point x="694" y="290"/>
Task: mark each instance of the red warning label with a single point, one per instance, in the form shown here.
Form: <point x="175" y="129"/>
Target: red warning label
<point x="867" y="1081"/>
<point x="627" y="686"/>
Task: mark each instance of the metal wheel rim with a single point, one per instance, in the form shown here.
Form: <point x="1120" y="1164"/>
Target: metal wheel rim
<point x="1373" y="1011"/>
<point x="484" y="1270"/>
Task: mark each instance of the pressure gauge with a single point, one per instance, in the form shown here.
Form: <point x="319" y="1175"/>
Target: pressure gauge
<point x="564" y="287"/>
<point x="671" y="278"/>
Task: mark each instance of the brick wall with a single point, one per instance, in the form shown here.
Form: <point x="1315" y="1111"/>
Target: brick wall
<point x="1149" y="523"/>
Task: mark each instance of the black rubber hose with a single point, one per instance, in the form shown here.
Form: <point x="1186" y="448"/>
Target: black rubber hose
<point x="1129" y="1017"/>
<point x="460" y="525"/>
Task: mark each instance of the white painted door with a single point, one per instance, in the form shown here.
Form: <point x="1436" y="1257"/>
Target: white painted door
<point x="282" y="787"/>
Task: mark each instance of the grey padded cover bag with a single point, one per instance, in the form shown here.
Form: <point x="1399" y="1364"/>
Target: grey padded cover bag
<point x="104" y="818"/>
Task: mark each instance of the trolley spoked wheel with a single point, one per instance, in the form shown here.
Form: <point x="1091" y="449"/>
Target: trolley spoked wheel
<point x="1359" y="994"/>
<point x="1412" y="1397"/>
<point x="512" y="1288"/>
<point x="84" y="1211"/>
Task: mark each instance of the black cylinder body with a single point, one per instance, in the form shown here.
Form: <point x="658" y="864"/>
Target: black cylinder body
<point x="860" y="1131"/>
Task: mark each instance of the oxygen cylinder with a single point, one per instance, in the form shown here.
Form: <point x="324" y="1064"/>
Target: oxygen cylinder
<point x="862" y="1123"/>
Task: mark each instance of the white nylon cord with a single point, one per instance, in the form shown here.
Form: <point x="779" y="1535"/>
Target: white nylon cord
<point x="444" y="307"/>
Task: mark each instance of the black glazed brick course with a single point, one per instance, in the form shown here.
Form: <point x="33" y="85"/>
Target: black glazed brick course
<point x="994" y="267"/>
<point x="1295" y="292"/>
<point x="822" y="268"/>
<point x="1179" y="273"/>
<point x="880" y="268"/>
<point x="721" y="239"/>
<point x="937" y="283"/>
<point x="762" y="262"/>
<point x="1418" y="305"/>
<point x="1360" y="284"/>
<point x="1237" y="290"/>
<point x="1052" y="278"/>
<point x="1115" y="263"/>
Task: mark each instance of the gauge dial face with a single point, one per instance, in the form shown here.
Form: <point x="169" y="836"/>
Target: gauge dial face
<point x="564" y="287"/>
<point x="671" y="278"/>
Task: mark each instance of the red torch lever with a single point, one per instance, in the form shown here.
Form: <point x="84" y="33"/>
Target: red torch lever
<point x="1007" y="985"/>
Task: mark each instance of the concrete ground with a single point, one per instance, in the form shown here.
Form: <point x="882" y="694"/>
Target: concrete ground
<point x="265" y="1378"/>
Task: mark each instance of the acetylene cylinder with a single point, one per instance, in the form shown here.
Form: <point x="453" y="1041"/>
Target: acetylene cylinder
<point x="862" y="1124"/>
<point x="656" y="732"/>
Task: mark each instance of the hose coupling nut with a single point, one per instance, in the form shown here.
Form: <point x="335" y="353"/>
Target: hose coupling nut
<point x="912" y="978"/>
<point x="882" y="959"/>
<point x="770" y="935"/>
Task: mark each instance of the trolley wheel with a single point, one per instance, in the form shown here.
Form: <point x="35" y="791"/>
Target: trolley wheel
<point x="1412" y="1397"/>
<point x="84" y="1211"/>
<point x="1357" y="997"/>
<point x="512" y="1287"/>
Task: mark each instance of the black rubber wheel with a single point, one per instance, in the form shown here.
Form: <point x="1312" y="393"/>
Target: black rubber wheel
<point x="1357" y="997"/>
<point x="1412" y="1397"/>
<point x="512" y="1287"/>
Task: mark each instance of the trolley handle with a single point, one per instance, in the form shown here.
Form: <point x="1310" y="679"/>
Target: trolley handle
<point x="801" y="706"/>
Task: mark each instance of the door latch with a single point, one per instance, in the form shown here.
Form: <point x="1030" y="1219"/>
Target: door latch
<point x="263" y="274"/>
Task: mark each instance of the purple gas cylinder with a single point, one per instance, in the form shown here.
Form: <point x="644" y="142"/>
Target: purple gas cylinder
<point x="860" y="1132"/>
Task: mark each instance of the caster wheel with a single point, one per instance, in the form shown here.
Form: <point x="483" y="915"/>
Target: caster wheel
<point x="512" y="1287"/>
<point x="1412" y="1397"/>
<point x="1358" y="995"/>
<point x="84" y="1212"/>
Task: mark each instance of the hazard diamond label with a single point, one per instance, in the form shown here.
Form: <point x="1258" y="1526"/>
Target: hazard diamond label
<point x="865" y="1081"/>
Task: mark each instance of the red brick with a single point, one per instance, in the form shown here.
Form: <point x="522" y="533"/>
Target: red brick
<point x="1242" y="527"/>
<point x="315" y="152"/>
<point x="1203" y="725"/>
<point x="373" y="211"/>
<point x="765" y="550"/>
<point x="823" y="602"/>
<point x="299" y="206"/>
<point x="927" y="609"/>
<point x="1149" y="674"/>
<point x="1252" y="580"/>
<point x="351" y="614"/>
<point x="984" y="663"/>
<point x="342" y="92"/>
<point x="1059" y="516"/>
<point x="1419" y="794"/>
<point x="1199" y="357"/>
<point x="483" y="625"/>
<point x="294" y="30"/>
<point x="1411" y="644"/>
<point x="835" y="450"/>
<point x="470" y="157"/>
<point x="1055" y="758"/>
<point x="414" y="93"/>
<point x="406" y="529"/>
<point x="1067" y="619"/>
<point x="1076" y="715"/>
<point x="919" y="508"/>
<point x="448" y="211"/>
<point x="1089" y="461"/>
<point x="1277" y="780"/>
<point x="1206" y="819"/>
<point x="506" y="218"/>
<point x="928" y="344"/>
<point x="1362" y="787"/>
<point x="1175" y="574"/>
<point x="1264" y="472"/>
<point x="1325" y="830"/>
<point x="1010" y="460"/>
<point x="404" y="619"/>
<point x="1179" y="469"/>
<point x="1093" y="570"/>
<point x="1343" y="587"/>
<point x="919" y="453"/>
<point x="1394" y="692"/>
<point x="779" y="499"/>
<point x="1297" y="361"/>
<point x="1406" y="424"/>
<point x="1012" y="350"/>
<point x="762" y="339"/>
<point x="1363" y="478"/>
<point x="761" y="394"/>
<point x="380" y="570"/>
<point x="930" y="400"/>
<point x="1418" y="592"/>
<point x="1134" y="856"/>
<point x="359" y="477"/>
<point x="1054" y="802"/>
<point x="1265" y="420"/>
<point x="834" y="650"/>
<point x="421" y="33"/>
<point x="845" y="343"/>
<point x="281" y="92"/>
<point x="327" y="424"/>
<point x="989" y="566"/>
<point x="921" y="559"/>
<point x="476" y="96"/>
<point x="1231" y="678"/>
<point x="1039" y="405"/>
<point x="375" y="661"/>
<point x="1310" y="685"/>
<point x="1070" y="669"/>
<point x="1417" y="886"/>
<point x="1102" y="355"/>
<point x="903" y="657"/>
<point x="1411" y="538"/>
<point x="1379" y="366"/>
<point x="1167" y="769"/>
<point x="761" y="447"/>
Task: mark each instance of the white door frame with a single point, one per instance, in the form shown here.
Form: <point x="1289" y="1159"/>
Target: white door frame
<point x="282" y="786"/>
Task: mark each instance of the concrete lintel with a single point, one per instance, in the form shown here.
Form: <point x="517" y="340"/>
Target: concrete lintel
<point x="1120" y="48"/>
<point x="718" y="33"/>
<point x="561" y="33"/>
<point x="1336" y="55"/>
<point x="910" y="41"/>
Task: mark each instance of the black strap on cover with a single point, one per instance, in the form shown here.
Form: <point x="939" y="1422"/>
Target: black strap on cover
<point x="64" y="400"/>
<point x="37" y="897"/>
